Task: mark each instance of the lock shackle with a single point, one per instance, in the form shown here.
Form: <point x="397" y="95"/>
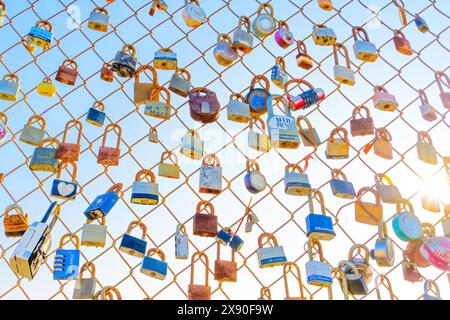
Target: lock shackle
<point x="205" y="206"/>
<point x="156" y="92"/>
<point x="2" y="5"/>
<point x="47" y="80"/>
<point x="423" y="136"/>
<point x="252" y="165"/>
<point x="237" y="97"/>
<point x="398" y="33"/>
<point x="199" y="255"/>
<point x="283" y="24"/>
<point x="405" y="205"/>
<point x="269" y="237"/>
<point x="267" y="8"/>
<point x="54" y="209"/>
<point x="336" y="173"/>
<point x="312" y="243"/>
<point x="75" y="124"/>
<point x="383" y="279"/>
<point x="102" y="221"/>
<point x="428" y="230"/>
<point x="184" y="73"/>
<point x="287" y="267"/>
<point x="106" y="293"/>
<point x="250" y="217"/>
<point x="277" y="99"/>
<point x="336" y="131"/>
<point x="181" y="228"/>
<point x="49" y="142"/>
<point x="100" y="10"/>
<point x="191" y="1"/>
<point x="357" y="31"/>
<point x="169" y="155"/>
<point x="115" y="188"/>
<point x="137" y="75"/>
<point x="117" y="129"/>
<point x="401" y="11"/>
<point x="301" y="47"/>
<point x="380" y="177"/>
<point x="99" y="105"/>
<point x="70" y="236"/>
<point x="18" y="209"/>
<point x="359" y="247"/>
<point x="265" y="294"/>
<point x="317" y="194"/>
<point x="193" y="133"/>
<point x="222" y="37"/>
<point x="256" y="121"/>
<point x="319" y="26"/>
<point x="44" y="24"/>
<point x="88" y="266"/>
<point x="431" y="285"/>
<point x="350" y="265"/>
<point x="342" y="50"/>
<point x="211" y="160"/>
<point x="340" y="275"/>
<point x="299" y="82"/>
<point x="64" y="165"/>
<point x="11" y="78"/>
<point x="383" y="133"/>
<point x="382" y="230"/>
<point x="439" y="75"/>
<point x="358" y="110"/>
<point x="139" y="224"/>
<point x="233" y="258"/>
<point x="365" y="190"/>
<point x="144" y="174"/>
<point x="294" y="167"/>
<point x="244" y="20"/>
<point x="423" y="97"/>
<point x="258" y="79"/>
<point x="38" y="120"/>
<point x="279" y="61"/>
<point x="159" y="252"/>
<point x="153" y="131"/>
<point x="304" y="119"/>
<point x="130" y="49"/>
<point x="4" y="118"/>
<point x="70" y="63"/>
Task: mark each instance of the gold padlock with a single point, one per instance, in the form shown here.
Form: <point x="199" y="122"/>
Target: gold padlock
<point x="381" y="144"/>
<point x="169" y="170"/>
<point x="425" y="149"/>
<point x="338" y="148"/>
<point x="367" y="212"/>
<point x="46" y="88"/>
<point x="446" y="221"/>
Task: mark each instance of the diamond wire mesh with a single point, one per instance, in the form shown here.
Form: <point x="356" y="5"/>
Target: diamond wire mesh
<point x="178" y="199"/>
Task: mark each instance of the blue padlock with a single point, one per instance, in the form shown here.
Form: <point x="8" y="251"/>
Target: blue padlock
<point x="44" y="157"/>
<point x="67" y="262"/>
<point x="421" y="24"/>
<point x="155" y="268"/>
<point x="319" y="226"/>
<point x="66" y="190"/>
<point x="41" y="34"/>
<point x="236" y="243"/>
<point x="224" y="236"/>
<point x="257" y="97"/>
<point x="341" y="188"/>
<point x="103" y="203"/>
<point x="133" y="245"/>
<point x="96" y="115"/>
<point x="278" y="75"/>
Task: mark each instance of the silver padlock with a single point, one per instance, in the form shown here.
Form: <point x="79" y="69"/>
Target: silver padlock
<point x="426" y="109"/>
<point x="180" y="83"/>
<point x="242" y="39"/>
<point x="193" y="14"/>
<point x="255" y="182"/>
<point x="181" y="243"/>
<point x="389" y="192"/>
<point x="342" y="74"/>
<point x="296" y="183"/>
<point x="237" y="109"/>
<point x="9" y="87"/>
<point x="210" y="175"/>
<point x="94" y="235"/>
<point x="323" y="36"/>
<point x="364" y="49"/>
<point x="99" y="20"/>
<point x="318" y="273"/>
<point x="264" y="24"/>
<point x="383" y="253"/>
<point x="85" y="287"/>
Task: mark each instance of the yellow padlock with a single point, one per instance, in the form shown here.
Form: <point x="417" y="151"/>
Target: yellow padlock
<point x="46" y="88"/>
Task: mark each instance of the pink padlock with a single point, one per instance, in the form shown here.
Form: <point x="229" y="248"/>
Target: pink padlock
<point x="283" y="36"/>
<point x="383" y="100"/>
<point x="436" y="250"/>
<point x="445" y="95"/>
<point x="427" y="110"/>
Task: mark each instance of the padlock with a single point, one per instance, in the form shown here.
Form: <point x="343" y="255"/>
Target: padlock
<point x="323" y="36"/>
<point x="296" y="183"/>
<point x="205" y="224"/>
<point x="254" y="180"/>
<point x="305" y="99"/>
<point x="210" y="180"/>
<point x="304" y="60"/>
<point x="2" y="12"/>
<point x="3" y="126"/>
<point x="9" y="87"/>
<point x="264" y="23"/>
<point x="283" y="37"/>
<point x="103" y="203"/>
<point x="152" y="135"/>
<point x="257" y="97"/>
<point x="318" y="273"/>
<point x="421" y="24"/>
<point x="342" y="74"/>
<point x="270" y="256"/>
<point x="278" y="73"/>
<point x="382" y="279"/>
<point x="282" y="129"/>
<point x="99" y="20"/>
<point x="224" y="236"/>
<point x="401" y="11"/>
<point x="402" y="45"/>
<point x="361" y="264"/>
<point x="436" y="251"/>
<point x="425" y="149"/>
<point x="341" y="188"/>
<point x="63" y="189"/>
<point x="96" y="114"/>
<point x="444" y="95"/>
<point x="44" y="157"/>
<point x="318" y="226"/>
<point x="203" y="105"/>
<point x="430" y="201"/>
<point x="110" y="156"/>
<point x="355" y="281"/>
<point x="364" y="49"/>
<point x="446" y="221"/>
<point x="181" y="243"/>
<point x="15" y="225"/>
<point x="145" y="192"/>
<point x="41" y="34"/>
<point x="192" y="145"/>
<point x="236" y="243"/>
<point x="108" y="293"/>
<point x="338" y="148"/>
<point x="169" y="170"/>
<point x="383" y="252"/>
<point x="251" y="220"/>
<point x="199" y="291"/>
<point x="242" y="39"/>
<point x="193" y="14"/>
<point x="67" y="73"/>
<point x="94" y="235"/>
<point x="383" y="100"/>
<point x="309" y="136"/>
<point x="426" y="109"/>
<point x="133" y="245"/>
<point x="67" y="261"/>
<point x="46" y="88"/>
<point x="144" y="91"/>
<point x="238" y="109"/>
<point x="258" y="140"/>
<point x="431" y="285"/>
<point x="31" y="48"/>
<point x="70" y="151"/>
<point x="368" y="212"/>
<point x="165" y="59"/>
<point x="287" y="268"/>
<point x="410" y="271"/>
<point x="180" y="83"/>
<point x="224" y="270"/>
<point x="389" y="193"/>
<point x="155" y="268"/>
<point x="85" y="287"/>
<point x="265" y="294"/>
<point x="106" y="74"/>
<point x="31" y="134"/>
<point x="125" y="62"/>
<point x="382" y="146"/>
<point x="413" y="252"/>
<point x="156" y="108"/>
<point x="406" y="225"/>
<point x="224" y="52"/>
